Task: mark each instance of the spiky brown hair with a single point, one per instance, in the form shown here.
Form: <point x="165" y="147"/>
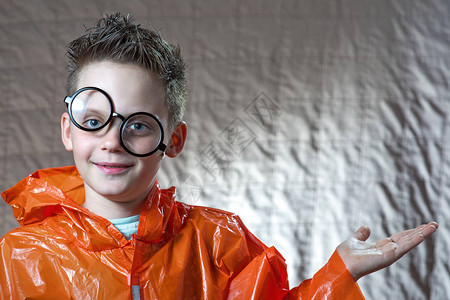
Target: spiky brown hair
<point x="118" y="38"/>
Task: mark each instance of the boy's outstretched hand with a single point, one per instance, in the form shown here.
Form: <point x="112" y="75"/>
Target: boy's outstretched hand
<point x="362" y="258"/>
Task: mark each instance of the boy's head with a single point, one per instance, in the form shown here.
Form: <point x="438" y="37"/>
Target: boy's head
<point x="121" y="78"/>
<point x="119" y="39"/>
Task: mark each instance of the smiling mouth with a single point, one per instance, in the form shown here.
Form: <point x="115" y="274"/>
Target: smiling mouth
<point x="111" y="168"/>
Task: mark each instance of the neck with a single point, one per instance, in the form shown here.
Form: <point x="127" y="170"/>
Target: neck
<point x="109" y="208"/>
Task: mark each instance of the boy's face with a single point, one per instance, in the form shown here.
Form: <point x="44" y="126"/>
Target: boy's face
<point x="106" y="168"/>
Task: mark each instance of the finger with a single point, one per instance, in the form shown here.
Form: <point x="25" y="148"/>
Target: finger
<point x="399" y="235"/>
<point x="362" y="233"/>
<point x="414" y="237"/>
<point x="429" y="229"/>
<point x="421" y="234"/>
<point x="424" y="230"/>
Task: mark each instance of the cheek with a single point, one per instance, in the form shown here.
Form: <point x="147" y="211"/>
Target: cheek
<point x="150" y="161"/>
<point x="82" y="145"/>
<point x="150" y="165"/>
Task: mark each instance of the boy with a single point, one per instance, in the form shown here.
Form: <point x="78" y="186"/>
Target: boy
<point x="105" y="230"/>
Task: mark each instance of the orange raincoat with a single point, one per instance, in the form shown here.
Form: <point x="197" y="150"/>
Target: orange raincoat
<point x="63" y="251"/>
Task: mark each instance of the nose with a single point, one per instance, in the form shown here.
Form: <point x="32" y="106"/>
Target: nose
<point x="110" y="139"/>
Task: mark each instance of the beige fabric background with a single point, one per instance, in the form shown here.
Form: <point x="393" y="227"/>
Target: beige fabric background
<point x="307" y="118"/>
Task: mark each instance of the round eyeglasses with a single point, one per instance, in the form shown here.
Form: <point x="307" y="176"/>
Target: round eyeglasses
<point x="91" y="109"/>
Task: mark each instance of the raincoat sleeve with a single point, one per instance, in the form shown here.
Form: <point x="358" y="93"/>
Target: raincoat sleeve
<point x="333" y="281"/>
<point x="265" y="277"/>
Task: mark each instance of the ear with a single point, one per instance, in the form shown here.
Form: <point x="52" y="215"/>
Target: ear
<point x="65" y="131"/>
<point x="177" y="140"/>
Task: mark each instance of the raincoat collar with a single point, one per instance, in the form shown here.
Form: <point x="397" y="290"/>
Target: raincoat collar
<point x="59" y="193"/>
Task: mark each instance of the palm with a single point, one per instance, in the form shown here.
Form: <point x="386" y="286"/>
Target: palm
<point x="362" y="258"/>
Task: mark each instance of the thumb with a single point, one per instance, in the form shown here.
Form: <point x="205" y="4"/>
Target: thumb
<point x="362" y="233"/>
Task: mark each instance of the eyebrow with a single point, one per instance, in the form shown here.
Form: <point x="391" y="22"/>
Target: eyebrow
<point x="95" y="111"/>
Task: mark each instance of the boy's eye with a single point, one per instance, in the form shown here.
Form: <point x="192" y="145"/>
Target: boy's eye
<point x="92" y="123"/>
<point x="139" y="128"/>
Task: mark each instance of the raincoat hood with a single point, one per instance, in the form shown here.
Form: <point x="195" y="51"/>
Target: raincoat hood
<point x="45" y="192"/>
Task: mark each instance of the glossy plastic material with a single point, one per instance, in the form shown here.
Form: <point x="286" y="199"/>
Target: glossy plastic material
<point x="62" y="251"/>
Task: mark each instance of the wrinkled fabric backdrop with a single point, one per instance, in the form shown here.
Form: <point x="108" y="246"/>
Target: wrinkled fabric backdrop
<point x="307" y="118"/>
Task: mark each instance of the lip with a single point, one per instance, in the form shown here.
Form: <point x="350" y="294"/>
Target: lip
<point x="112" y="168"/>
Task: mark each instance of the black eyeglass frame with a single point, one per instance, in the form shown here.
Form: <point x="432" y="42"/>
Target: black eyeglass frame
<point x="68" y="101"/>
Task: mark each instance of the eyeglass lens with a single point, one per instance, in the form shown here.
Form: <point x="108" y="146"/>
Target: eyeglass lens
<point x="92" y="110"/>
